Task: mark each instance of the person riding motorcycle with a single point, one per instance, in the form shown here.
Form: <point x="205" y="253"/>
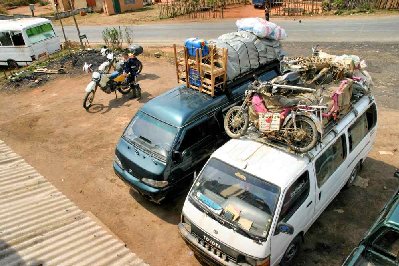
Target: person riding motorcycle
<point x="130" y="66"/>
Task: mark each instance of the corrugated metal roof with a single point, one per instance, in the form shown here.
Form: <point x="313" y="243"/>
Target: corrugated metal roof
<point x="39" y="225"/>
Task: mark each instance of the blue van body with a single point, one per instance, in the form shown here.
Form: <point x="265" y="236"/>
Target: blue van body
<point x="174" y="134"/>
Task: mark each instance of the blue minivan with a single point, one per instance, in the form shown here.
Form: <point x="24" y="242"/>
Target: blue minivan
<point x="174" y="134"/>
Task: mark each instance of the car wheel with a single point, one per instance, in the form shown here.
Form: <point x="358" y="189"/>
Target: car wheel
<point x="353" y="175"/>
<point x="12" y="64"/>
<point x="291" y="251"/>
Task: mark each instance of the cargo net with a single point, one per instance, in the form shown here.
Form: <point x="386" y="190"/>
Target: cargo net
<point x="205" y="73"/>
<point x="298" y="108"/>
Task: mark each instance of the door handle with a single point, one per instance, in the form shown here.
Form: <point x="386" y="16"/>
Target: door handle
<point x="319" y="195"/>
<point x="309" y="204"/>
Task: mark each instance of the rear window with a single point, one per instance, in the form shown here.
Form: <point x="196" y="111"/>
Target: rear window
<point x="40" y="33"/>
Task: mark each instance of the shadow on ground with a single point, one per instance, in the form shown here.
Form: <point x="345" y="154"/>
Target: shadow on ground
<point x="10" y="256"/>
<point x="341" y="226"/>
<point x="168" y="210"/>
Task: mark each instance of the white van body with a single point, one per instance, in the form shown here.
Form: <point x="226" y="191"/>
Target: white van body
<point x="25" y="40"/>
<point x="304" y="185"/>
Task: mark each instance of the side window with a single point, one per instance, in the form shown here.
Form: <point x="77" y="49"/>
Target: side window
<point x="357" y="132"/>
<point x="387" y="244"/>
<point x="295" y="196"/>
<point x="330" y="160"/>
<point x="362" y="126"/>
<point x="5" y="38"/>
<point x="17" y="38"/>
<point x="199" y="132"/>
<point x="371" y="115"/>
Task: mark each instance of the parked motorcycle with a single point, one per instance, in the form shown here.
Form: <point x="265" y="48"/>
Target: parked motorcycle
<point x="109" y="83"/>
<point x="284" y="122"/>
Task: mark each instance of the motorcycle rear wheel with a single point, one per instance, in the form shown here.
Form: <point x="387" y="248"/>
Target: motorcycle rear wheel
<point x="88" y="100"/>
<point x="304" y="137"/>
<point x="236" y="122"/>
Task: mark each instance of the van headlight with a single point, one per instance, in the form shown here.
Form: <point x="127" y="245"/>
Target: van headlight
<point x="117" y="161"/>
<point x="258" y="262"/>
<point x="155" y="183"/>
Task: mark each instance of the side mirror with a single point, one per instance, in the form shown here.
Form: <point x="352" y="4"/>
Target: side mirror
<point x="176" y="156"/>
<point x="396" y="174"/>
<point x="285" y="228"/>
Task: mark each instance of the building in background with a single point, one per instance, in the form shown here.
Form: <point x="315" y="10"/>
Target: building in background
<point x="112" y="7"/>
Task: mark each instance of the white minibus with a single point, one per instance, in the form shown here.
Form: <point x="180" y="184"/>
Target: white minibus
<point x="25" y="40"/>
<point x="253" y="203"/>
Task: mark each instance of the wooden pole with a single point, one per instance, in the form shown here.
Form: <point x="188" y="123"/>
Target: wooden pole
<point x="76" y="23"/>
<point x="62" y="25"/>
<point x="187" y="68"/>
<point x="225" y="67"/>
<point x="199" y="60"/>
<point x="177" y="63"/>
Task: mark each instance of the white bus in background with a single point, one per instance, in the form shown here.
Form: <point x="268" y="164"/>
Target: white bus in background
<point x="25" y="40"/>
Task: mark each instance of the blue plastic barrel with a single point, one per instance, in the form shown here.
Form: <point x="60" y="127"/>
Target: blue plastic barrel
<point x="192" y="44"/>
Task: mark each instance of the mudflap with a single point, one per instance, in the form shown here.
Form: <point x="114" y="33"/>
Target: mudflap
<point x="90" y="86"/>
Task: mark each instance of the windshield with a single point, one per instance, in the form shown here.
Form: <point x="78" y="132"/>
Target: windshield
<point x="237" y="197"/>
<point x="149" y="132"/>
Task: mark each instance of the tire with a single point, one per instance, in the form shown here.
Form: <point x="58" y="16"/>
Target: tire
<point x="125" y="90"/>
<point x="12" y="64"/>
<point x="88" y="99"/>
<point x="302" y="139"/>
<point x="291" y="251"/>
<point x="236" y="122"/>
<point x="353" y="175"/>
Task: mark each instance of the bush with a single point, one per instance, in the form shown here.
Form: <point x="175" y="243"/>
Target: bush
<point x="114" y="37"/>
<point x="43" y="2"/>
<point x="10" y="3"/>
<point x="3" y="10"/>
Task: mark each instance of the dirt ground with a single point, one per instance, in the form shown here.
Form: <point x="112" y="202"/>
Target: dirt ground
<point x="74" y="150"/>
<point x="39" y="10"/>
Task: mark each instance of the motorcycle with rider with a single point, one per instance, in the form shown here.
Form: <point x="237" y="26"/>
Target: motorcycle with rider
<point x="123" y="79"/>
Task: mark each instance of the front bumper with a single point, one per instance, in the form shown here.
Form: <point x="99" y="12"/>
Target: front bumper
<point x="206" y="253"/>
<point x="154" y="194"/>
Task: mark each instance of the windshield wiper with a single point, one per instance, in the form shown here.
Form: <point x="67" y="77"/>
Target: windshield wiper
<point x="237" y="228"/>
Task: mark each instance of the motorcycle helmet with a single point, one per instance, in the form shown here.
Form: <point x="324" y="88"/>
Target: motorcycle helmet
<point x="136" y="49"/>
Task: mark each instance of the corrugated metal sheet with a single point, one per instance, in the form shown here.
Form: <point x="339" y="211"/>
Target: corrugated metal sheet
<point x="40" y="226"/>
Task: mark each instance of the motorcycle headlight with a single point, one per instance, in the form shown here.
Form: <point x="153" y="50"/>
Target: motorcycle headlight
<point x="96" y="76"/>
<point x="117" y="161"/>
<point x="155" y="183"/>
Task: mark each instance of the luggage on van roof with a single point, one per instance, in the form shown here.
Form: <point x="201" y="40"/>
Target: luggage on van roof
<point x="314" y="95"/>
<point x="208" y="66"/>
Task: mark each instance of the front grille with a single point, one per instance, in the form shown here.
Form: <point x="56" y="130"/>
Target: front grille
<point x="214" y="250"/>
<point x="149" y="152"/>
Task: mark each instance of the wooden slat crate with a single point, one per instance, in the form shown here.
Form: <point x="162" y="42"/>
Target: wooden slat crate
<point x="207" y="74"/>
